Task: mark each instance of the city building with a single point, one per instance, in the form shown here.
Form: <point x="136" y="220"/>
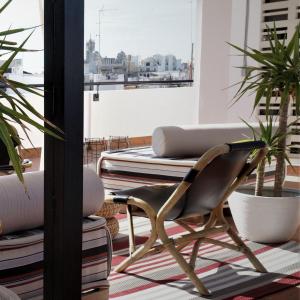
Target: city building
<point x="132" y="66"/>
<point x="93" y="58"/>
<point x="15" y="67"/>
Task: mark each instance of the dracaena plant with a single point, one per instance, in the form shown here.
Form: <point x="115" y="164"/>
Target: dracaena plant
<point x="14" y="107"/>
<point x="276" y="77"/>
<point x="267" y="132"/>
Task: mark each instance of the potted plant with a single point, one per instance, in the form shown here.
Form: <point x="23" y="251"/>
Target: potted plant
<point x="271" y="214"/>
<point x="14" y="108"/>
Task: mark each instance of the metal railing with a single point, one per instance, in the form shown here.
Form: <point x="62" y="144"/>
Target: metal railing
<point x="150" y="82"/>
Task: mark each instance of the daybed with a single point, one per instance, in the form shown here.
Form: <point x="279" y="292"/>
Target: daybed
<point x="175" y="149"/>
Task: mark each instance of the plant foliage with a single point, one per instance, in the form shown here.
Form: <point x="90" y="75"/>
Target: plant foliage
<point x="14" y="107"/>
<point x="278" y="72"/>
<point x="275" y="77"/>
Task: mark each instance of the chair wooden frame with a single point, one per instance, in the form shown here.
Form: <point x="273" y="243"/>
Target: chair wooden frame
<point x="216" y="223"/>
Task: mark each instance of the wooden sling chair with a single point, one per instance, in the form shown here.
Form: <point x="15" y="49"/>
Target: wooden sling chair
<point x="203" y="191"/>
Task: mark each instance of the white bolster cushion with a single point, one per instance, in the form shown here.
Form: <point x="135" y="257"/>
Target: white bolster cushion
<point x="185" y="141"/>
<point x="6" y="294"/>
<point x="20" y="212"/>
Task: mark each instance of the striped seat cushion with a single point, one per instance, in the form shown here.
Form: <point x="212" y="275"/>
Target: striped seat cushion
<point x="21" y="259"/>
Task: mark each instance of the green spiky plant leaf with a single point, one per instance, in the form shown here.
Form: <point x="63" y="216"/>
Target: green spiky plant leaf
<point x="277" y="76"/>
<point x="14" y="108"/>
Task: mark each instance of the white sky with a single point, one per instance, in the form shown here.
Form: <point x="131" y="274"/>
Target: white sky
<point x="142" y="27"/>
<point x="25" y="13"/>
<point x="138" y="27"/>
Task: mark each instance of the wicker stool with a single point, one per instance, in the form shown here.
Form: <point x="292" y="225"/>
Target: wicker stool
<point x="113" y="226"/>
<point x="108" y="211"/>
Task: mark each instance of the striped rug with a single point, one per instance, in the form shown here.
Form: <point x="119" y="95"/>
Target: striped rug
<point x="227" y="274"/>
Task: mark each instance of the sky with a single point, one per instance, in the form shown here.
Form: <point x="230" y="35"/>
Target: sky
<point x="20" y="14"/>
<point x="138" y="27"/>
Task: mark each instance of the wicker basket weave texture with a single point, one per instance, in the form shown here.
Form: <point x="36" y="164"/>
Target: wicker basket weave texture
<point x="113" y="226"/>
<point x="108" y="210"/>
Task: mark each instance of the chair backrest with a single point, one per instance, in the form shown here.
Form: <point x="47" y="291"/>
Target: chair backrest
<point x="212" y="183"/>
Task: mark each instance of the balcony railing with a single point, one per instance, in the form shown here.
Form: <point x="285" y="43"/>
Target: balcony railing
<point x="106" y="83"/>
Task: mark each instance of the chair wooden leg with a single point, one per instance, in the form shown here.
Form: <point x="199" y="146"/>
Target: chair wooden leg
<point x="136" y="255"/>
<point x="131" y="230"/>
<point x="186" y="227"/>
<point x="246" y="250"/>
<point x="194" y="253"/>
<point x="187" y="268"/>
<point x="183" y="245"/>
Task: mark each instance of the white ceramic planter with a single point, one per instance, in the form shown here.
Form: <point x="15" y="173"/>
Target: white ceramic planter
<point x="265" y="219"/>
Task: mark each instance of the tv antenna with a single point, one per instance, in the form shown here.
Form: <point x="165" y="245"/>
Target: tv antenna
<point x="101" y="11"/>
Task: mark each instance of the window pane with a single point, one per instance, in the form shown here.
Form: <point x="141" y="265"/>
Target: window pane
<point x="139" y="40"/>
<point x="29" y="66"/>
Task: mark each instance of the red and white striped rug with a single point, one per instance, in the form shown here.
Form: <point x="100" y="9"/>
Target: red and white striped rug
<point x="226" y="273"/>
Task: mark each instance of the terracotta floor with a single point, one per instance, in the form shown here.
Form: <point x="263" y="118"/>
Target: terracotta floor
<point x="288" y="294"/>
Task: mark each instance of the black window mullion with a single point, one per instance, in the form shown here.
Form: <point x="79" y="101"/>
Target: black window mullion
<point x="64" y="25"/>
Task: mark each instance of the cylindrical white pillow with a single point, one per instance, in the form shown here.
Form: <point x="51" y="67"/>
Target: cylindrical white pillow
<point x="184" y="141"/>
<point x="20" y="212"/>
<point x="6" y="294"/>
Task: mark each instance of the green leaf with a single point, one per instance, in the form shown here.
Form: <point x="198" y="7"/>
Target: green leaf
<point x="3" y="42"/>
<point x="290" y="47"/>
<point x="296" y="45"/>
<point x="256" y="57"/>
<point x="268" y="99"/>
<point x="31" y="109"/>
<point x="285" y="94"/>
<point x="17" y="30"/>
<point x="16" y="109"/>
<point x="7" y="63"/>
<point x="260" y="93"/>
<point x="18" y="116"/>
<point x="12" y="152"/>
<point x="24" y="87"/>
<point x="3" y="7"/>
<point x="297" y="97"/>
<point x="254" y="132"/>
<point x="7" y="48"/>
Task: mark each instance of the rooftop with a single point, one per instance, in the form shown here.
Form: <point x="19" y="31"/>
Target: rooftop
<point x="182" y="78"/>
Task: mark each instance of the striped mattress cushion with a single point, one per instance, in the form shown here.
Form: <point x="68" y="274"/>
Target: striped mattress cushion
<point x="130" y="168"/>
<point x="134" y="167"/>
<point x="21" y="259"/>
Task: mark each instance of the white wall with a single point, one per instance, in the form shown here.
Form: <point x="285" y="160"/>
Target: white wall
<point x="243" y="108"/>
<point x="127" y="112"/>
<point x="138" y="112"/>
<point x="214" y="63"/>
<point x="197" y="55"/>
<point x="224" y="21"/>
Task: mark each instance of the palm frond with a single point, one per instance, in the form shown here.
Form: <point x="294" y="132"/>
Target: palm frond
<point x="16" y="109"/>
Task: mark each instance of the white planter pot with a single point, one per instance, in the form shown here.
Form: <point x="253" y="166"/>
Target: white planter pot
<point x="265" y="219"/>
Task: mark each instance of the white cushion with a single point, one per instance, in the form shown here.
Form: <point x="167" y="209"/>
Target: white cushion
<point x="20" y="212"/>
<point x="6" y="294"/>
<point x="184" y="141"/>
